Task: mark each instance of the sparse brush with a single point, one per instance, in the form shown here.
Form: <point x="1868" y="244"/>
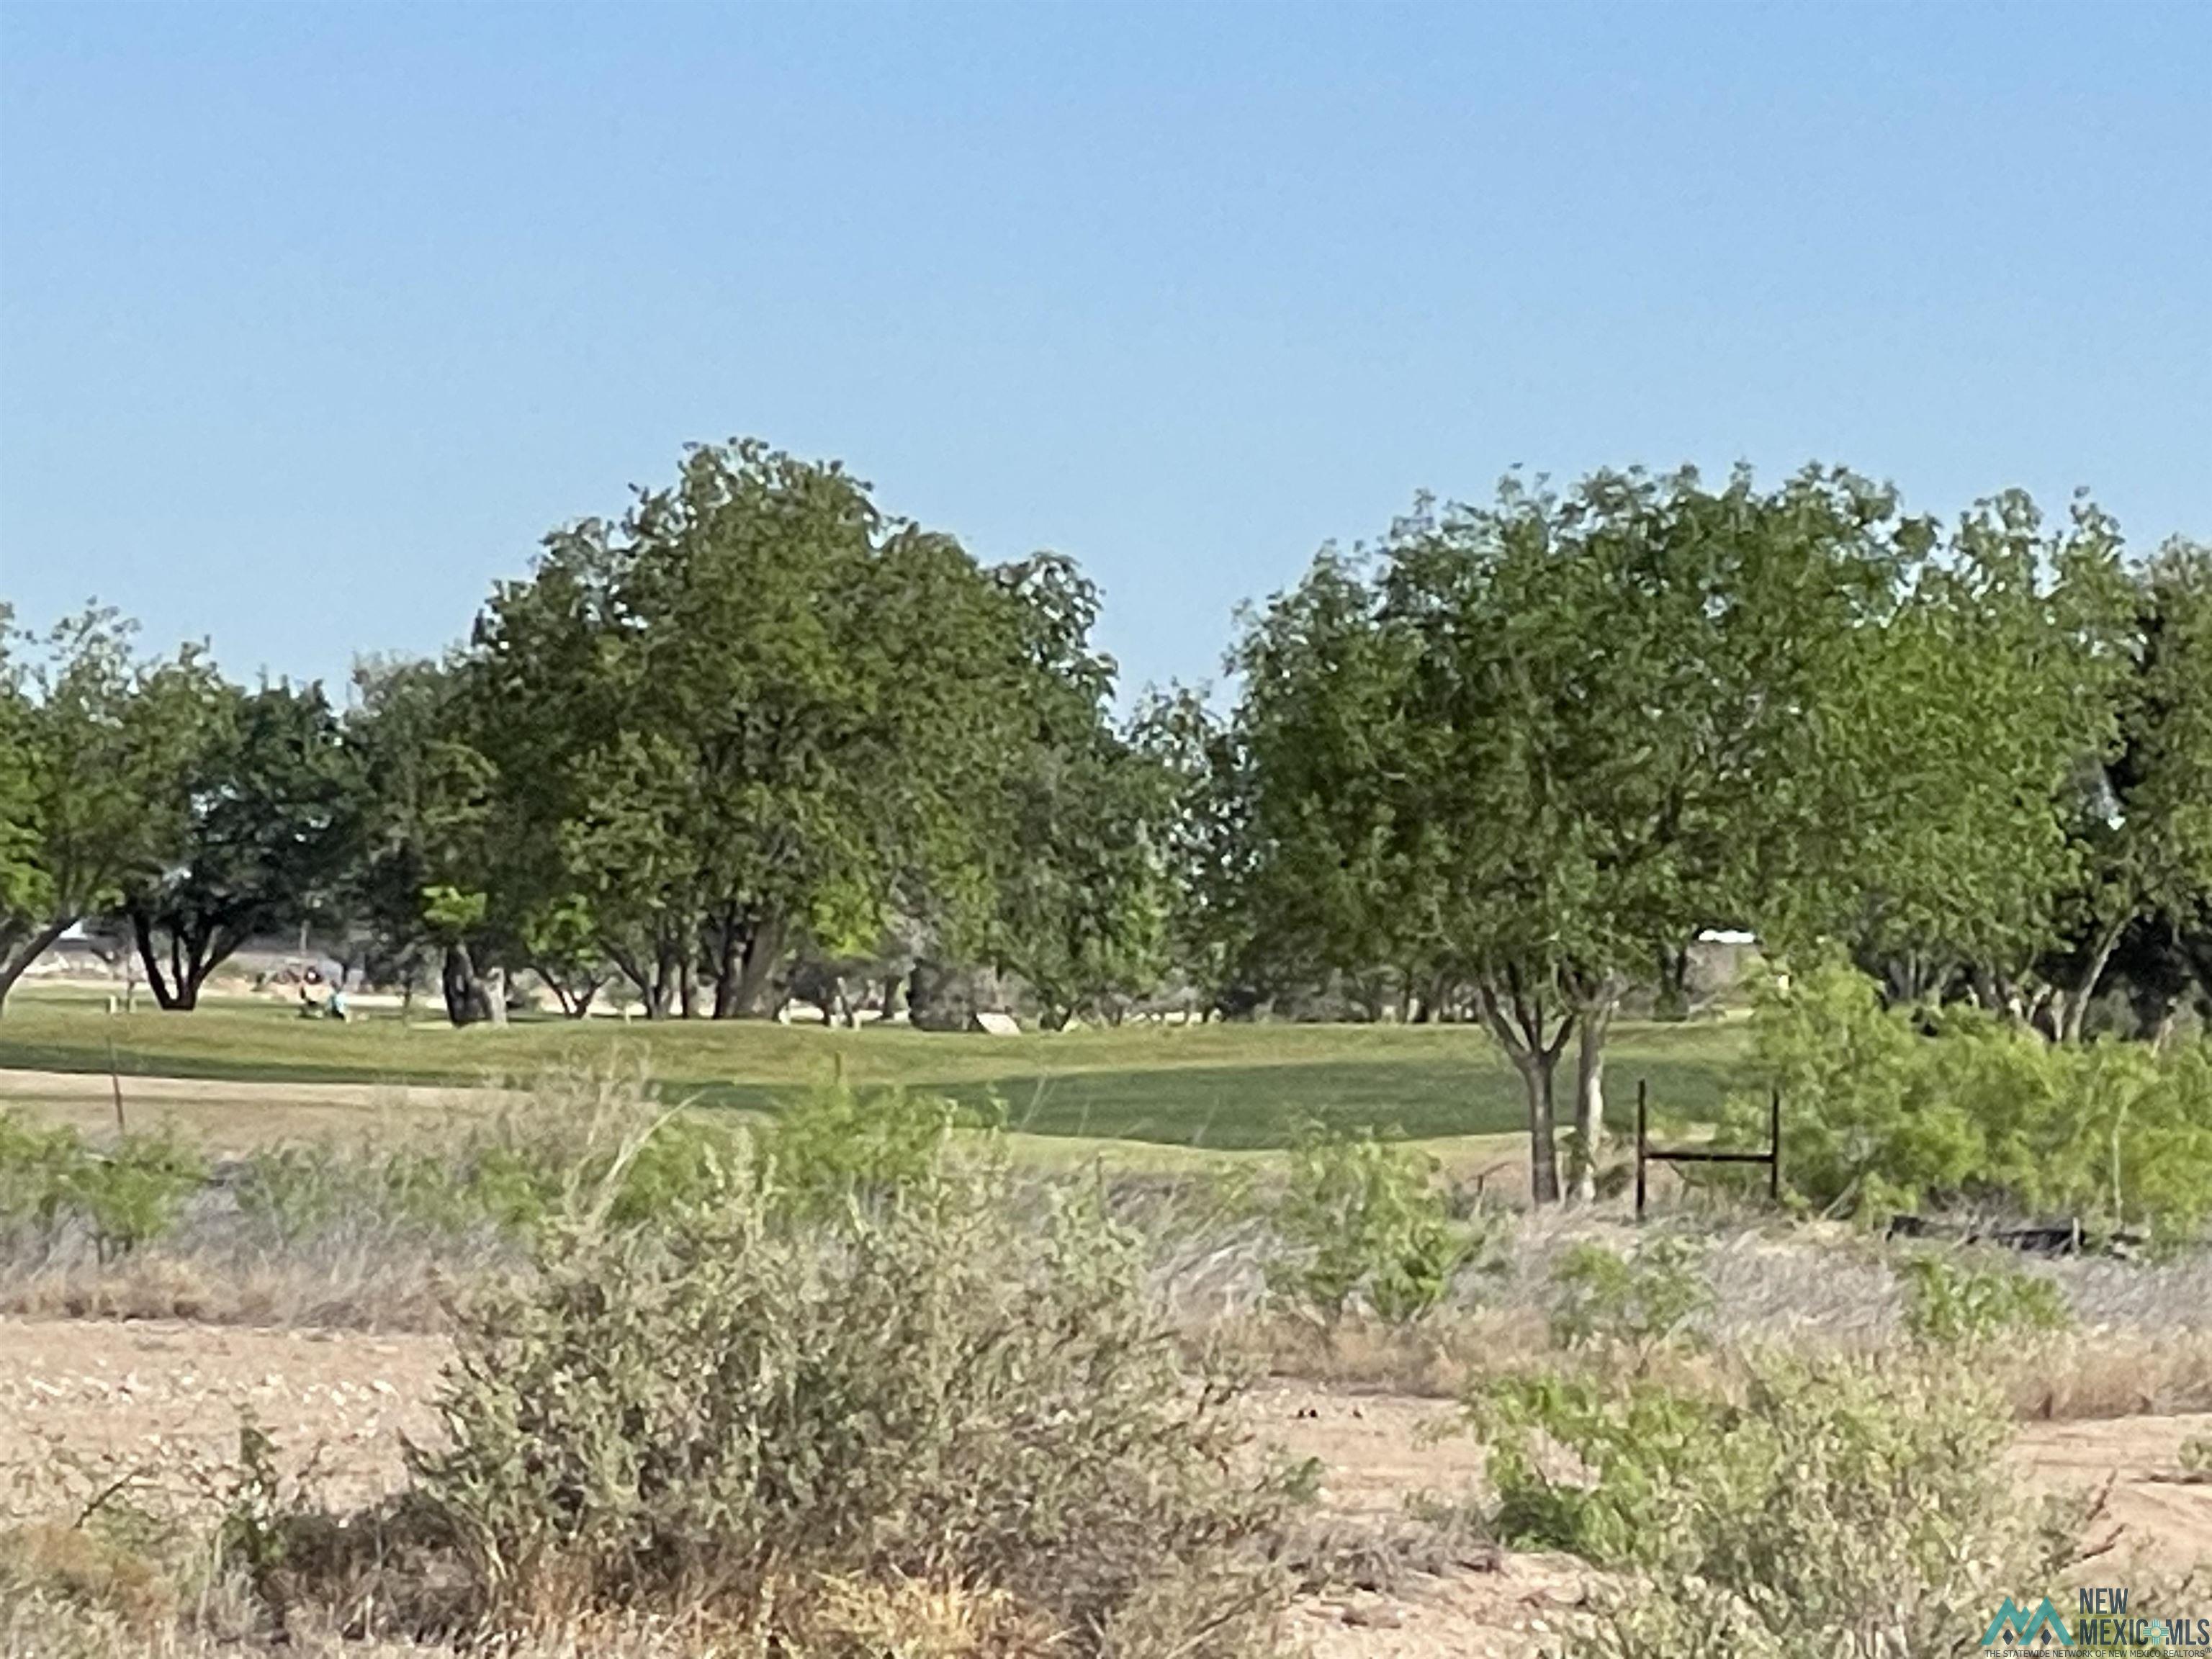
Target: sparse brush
<point x="1360" y="1220"/>
<point x="929" y="1384"/>
<point x="1839" y="1507"/>
<point x="123" y="1195"/>
<point x="1635" y="1300"/>
<point x="1972" y="1304"/>
<point x="1893" y="1108"/>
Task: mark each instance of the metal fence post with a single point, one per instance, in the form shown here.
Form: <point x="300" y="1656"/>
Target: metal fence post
<point x="1774" y="1145"/>
<point x="1643" y="1103"/>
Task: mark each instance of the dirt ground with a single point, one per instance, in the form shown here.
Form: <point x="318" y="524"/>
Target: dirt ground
<point x="1379" y="1449"/>
<point x="84" y="1402"/>
<point x="234" y="1117"/>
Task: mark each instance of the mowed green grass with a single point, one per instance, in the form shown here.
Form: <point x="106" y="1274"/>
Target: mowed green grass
<point x="1222" y="1087"/>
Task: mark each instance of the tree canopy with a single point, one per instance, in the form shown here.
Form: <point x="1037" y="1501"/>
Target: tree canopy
<point x="756" y="738"/>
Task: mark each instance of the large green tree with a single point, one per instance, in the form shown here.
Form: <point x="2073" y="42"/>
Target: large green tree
<point x="1076" y="865"/>
<point x="753" y="711"/>
<point x="1321" y="884"/>
<point x="258" y="834"/>
<point x="1989" y="714"/>
<point x="2145" y="838"/>
<point x="430" y="830"/>
<point x="95" y="745"/>
<point x="1620" y="699"/>
<point x="1548" y="740"/>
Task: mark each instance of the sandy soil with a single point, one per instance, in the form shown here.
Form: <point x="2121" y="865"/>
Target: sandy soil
<point x="81" y="1401"/>
<point x="1378" y="1450"/>
<point x="234" y="1117"/>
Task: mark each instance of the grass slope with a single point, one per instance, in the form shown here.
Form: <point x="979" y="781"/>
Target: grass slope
<point x="1229" y="1087"/>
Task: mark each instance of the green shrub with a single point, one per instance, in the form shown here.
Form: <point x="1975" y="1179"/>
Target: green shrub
<point x="941" y="1386"/>
<point x="126" y="1195"/>
<point x="1601" y="1296"/>
<point x="517" y="1172"/>
<point x="132" y="1192"/>
<point x="1956" y="1303"/>
<point x="1358" y="1216"/>
<point x="33" y="1163"/>
<point x="1841" y="1507"/>
<point x="683" y="1161"/>
<point x="1887" y="1109"/>
<point x="1642" y="1447"/>
<point x="476" y="1180"/>
<point x="838" y="1142"/>
<point x="291" y="1191"/>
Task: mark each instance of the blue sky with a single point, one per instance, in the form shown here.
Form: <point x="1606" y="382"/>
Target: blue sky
<point x="313" y="318"/>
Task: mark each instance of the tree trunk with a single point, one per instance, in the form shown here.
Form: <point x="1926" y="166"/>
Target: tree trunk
<point x="175" y="990"/>
<point x="1590" y="1094"/>
<point x="1518" y="1019"/>
<point x="26" y="951"/>
<point x="1435" y="1000"/>
<point x="2168" y="1021"/>
<point x="764" y="955"/>
<point x="1538" y="1073"/>
<point x="575" y="1000"/>
<point x="2078" y="999"/>
<point x="1908" y="980"/>
<point x="664" y="977"/>
<point x="633" y="970"/>
<point x="465" y="1002"/>
<point x="727" y="936"/>
<point x="1673" y="1001"/>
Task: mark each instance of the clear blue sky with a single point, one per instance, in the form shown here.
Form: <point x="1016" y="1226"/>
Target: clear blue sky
<point x="313" y="319"/>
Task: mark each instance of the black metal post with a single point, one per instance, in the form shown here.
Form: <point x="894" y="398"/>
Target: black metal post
<point x="1774" y="1145"/>
<point x="1643" y="1093"/>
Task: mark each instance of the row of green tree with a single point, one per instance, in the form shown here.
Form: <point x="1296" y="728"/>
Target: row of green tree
<point x="1519" y="756"/>
<point x="1506" y="764"/>
<point x="754" y="723"/>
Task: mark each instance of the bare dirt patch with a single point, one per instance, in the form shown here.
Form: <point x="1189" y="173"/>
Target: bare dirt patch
<point x="2169" y="1518"/>
<point x="145" y="1392"/>
<point x="235" y="1117"/>
<point x="161" y="1396"/>
<point x="1378" y="1450"/>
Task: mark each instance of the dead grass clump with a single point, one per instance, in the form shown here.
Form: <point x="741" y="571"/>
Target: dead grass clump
<point x="2104" y="1374"/>
<point x="1386" y="1556"/>
<point x="87" y="1571"/>
<point x="1435" y="1359"/>
<point x="1820" y="1290"/>
<point x="349" y="1278"/>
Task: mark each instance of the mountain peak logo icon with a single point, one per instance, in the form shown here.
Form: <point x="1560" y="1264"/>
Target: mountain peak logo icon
<point x="2025" y="1626"/>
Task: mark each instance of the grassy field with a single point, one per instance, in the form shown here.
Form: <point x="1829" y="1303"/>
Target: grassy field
<point x="1225" y="1087"/>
